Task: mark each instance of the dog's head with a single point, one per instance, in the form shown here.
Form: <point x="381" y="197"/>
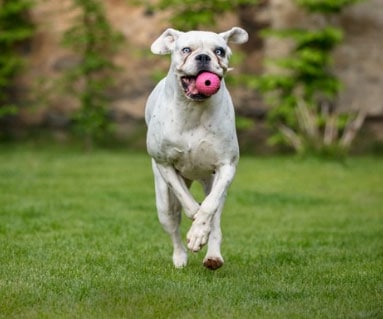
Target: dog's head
<point x="195" y="52"/>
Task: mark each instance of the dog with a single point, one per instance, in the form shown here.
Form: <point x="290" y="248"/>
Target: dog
<point x="192" y="137"/>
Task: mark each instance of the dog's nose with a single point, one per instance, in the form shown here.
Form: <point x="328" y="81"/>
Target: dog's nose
<point x="203" y="58"/>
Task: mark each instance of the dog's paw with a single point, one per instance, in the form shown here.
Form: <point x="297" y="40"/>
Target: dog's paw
<point x="198" y="235"/>
<point x="180" y="258"/>
<point x="213" y="263"/>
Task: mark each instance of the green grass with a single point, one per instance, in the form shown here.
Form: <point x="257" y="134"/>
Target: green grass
<point x="79" y="238"/>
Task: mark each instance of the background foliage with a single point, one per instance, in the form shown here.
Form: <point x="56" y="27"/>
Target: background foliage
<point x="15" y="30"/>
<point x="194" y="14"/>
<point x="94" y="40"/>
<point x="303" y="94"/>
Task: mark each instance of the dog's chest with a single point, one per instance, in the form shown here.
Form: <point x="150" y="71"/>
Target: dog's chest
<point x="195" y="153"/>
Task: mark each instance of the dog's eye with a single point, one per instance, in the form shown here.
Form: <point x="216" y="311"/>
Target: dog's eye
<point x="186" y="50"/>
<point x="220" y="52"/>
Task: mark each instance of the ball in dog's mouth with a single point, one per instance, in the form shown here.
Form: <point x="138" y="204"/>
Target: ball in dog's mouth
<point x="208" y="83"/>
<point x="202" y="86"/>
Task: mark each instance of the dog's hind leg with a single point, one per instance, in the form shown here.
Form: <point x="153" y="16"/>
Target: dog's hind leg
<point x="169" y="215"/>
<point x="213" y="258"/>
<point x="179" y="187"/>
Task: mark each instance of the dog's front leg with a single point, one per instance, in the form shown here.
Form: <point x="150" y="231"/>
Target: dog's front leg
<point x="179" y="188"/>
<point x="198" y="234"/>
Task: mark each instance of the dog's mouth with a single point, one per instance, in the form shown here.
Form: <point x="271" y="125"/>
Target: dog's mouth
<point x="190" y="89"/>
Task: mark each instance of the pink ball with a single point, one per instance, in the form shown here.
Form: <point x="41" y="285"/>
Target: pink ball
<point x="208" y="83"/>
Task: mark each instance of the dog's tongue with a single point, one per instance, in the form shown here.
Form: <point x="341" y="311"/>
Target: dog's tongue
<point x="192" y="88"/>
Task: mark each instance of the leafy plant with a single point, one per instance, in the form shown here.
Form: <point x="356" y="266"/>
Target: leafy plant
<point x="325" y="6"/>
<point x="94" y="40"/>
<point x="324" y="133"/>
<point x="15" y="29"/>
<point x="306" y="88"/>
<point x="193" y="14"/>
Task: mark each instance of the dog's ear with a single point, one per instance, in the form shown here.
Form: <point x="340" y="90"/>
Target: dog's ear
<point x="166" y="42"/>
<point x="235" y="35"/>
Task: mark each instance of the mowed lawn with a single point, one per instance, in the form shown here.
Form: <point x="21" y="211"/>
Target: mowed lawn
<point x="79" y="238"/>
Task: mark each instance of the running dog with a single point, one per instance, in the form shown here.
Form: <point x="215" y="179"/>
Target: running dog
<point x="191" y="137"/>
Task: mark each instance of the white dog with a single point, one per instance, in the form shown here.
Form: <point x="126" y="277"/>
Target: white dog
<point x="191" y="136"/>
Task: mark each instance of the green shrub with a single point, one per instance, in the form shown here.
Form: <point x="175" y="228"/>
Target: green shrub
<point x="303" y="95"/>
<point x="15" y="29"/>
<point x="95" y="42"/>
<point x="194" y="14"/>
